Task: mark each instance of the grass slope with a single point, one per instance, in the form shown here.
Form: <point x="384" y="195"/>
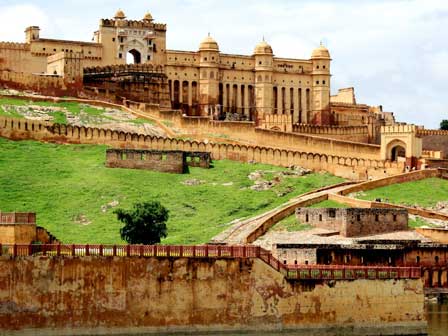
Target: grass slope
<point x="68" y="184"/>
<point x="425" y="193"/>
<point x="86" y="113"/>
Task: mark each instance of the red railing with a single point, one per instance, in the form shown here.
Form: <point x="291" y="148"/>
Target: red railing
<point x="293" y="272"/>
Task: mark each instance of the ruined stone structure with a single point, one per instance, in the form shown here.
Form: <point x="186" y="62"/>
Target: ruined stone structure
<point x="21" y="228"/>
<point x="163" y="161"/>
<point x="354" y="222"/>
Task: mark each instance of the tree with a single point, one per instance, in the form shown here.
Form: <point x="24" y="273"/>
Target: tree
<point x="444" y="125"/>
<point x="144" y="224"/>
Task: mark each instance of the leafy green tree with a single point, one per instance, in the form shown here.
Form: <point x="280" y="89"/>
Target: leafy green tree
<point x="144" y="224"/>
<point x="444" y="125"/>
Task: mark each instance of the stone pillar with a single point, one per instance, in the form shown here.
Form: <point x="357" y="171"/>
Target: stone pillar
<point x="295" y="117"/>
<point x="172" y="90"/>
<point x="181" y="92"/>
<point x="287" y="102"/>
<point x="280" y="100"/>
<point x="230" y="93"/>
<point x="190" y="93"/>
<point x="246" y="100"/>
<point x="304" y="107"/>
<point x="239" y="104"/>
<point x="224" y="97"/>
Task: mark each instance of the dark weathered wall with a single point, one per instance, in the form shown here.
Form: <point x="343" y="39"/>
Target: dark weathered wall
<point x="436" y="142"/>
<point x="353" y="222"/>
<point x="90" y="295"/>
<point x="163" y="161"/>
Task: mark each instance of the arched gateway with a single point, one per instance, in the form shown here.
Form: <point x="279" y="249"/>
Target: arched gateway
<point x="401" y="143"/>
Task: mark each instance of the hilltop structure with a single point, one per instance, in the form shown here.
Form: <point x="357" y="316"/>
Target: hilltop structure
<point x="203" y="82"/>
<point x="261" y="96"/>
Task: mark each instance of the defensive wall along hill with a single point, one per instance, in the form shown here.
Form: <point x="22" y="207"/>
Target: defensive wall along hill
<point x="344" y="166"/>
<point x="92" y="294"/>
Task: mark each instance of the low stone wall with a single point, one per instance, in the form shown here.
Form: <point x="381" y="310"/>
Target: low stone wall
<point x="401" y="178"/>
<point x="348" y="133"/>
<point x="279" y="214"/>
<point x="347" y="167"/>
<point x="438" y="235"/>
<point x="106" y="295"/>
<point x="163" y="161"/>
<point x="357" y="203"/>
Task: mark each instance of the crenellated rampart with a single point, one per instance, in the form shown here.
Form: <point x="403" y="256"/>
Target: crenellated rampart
<point x="248" y="133"/>
<point x="15" y="46"/>
<point x="47" y="85"/>
<point x="348" y="167"/>
<point x="349" y="133"/>
<point x="426" y="132"/>
<point x="123" y="68"/>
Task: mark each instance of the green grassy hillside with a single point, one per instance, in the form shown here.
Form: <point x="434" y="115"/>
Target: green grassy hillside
<point x="58" y="112"/>
<point x="425" y="193"/>
<point x="73" y="192"/>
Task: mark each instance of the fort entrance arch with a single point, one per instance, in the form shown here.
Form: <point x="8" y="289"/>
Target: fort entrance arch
<point x="401" y="143"/>
<point x="135" y="52"/>
<point x="133" y="57"/>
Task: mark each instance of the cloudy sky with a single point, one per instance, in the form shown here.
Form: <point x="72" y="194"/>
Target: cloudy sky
<point x="394" y="52"/>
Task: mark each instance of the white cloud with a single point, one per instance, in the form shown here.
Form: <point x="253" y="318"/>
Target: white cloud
<point x="16" y="18"/>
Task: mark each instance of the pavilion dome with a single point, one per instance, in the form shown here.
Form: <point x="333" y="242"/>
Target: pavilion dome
<point x="120" y="15"/>
<point x="208" y="44"/>
<point x="148" y="17"/>
<point x="263" y="48"/>
<point x="320" y="52"/>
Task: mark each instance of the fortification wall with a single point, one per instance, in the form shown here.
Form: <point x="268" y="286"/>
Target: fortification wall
<point x="433" y="140"/>
<point x="47" y="85"/>
<point x="18" y="57"/>
<point x="246" y="132"/>
<point x="127" y="295"/>
<point x="349" y="133"/>
<point x="348" y="167"/>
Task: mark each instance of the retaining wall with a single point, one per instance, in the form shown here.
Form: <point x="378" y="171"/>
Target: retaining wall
<point x="130" y="295"/>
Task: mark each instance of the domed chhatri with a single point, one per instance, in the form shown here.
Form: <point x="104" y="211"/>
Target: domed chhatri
<point x="263" y="48"/>
<point x="209" y="44"/>
<point x="119" y="15"/>
<point x="148" y="17"/>
<point x="320" y="52"/>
